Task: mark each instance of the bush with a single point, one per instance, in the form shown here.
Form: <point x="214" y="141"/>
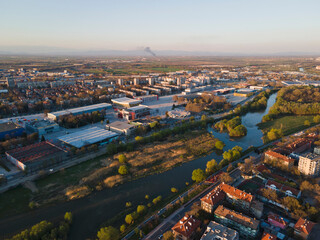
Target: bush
<point x="174" y="190"/>
<point x="219" y="145"/>
<point x="122" y="228"/>
<point x="141" y="209"/>
<point x="129" y="219"/>
<point x="122" y="158"/>
<point x="68" y="217"/>
<point x="108" y="233"/>
<point x="123" y="170"/>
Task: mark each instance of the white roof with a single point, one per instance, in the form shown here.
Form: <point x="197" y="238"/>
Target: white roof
<point x="86" y="137"/>
<point x="125" y="100"/>
<point x="81" y="109"/>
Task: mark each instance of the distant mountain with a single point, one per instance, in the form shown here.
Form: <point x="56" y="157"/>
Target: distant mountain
<point x="56" y="51"/>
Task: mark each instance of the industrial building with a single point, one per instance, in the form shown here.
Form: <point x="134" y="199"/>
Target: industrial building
<point x="42" y="127"/>
<point x="88" y="136"/>
<point x="136" y="112"/>
<point x="36" y="156"/>
<point x="148" y="98"/>
<point x="126" y="102"/>
<point x="81" y="110"/>
<point x="10" y="129"/>
<point x="121" y="127"/>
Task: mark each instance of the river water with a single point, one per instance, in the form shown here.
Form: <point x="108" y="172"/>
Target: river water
<point x="91" y="211"/>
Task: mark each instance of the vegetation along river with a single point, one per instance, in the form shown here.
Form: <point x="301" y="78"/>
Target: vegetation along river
<point x="91" y="211"/>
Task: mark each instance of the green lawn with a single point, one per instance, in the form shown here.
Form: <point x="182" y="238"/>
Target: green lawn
<point x="14" y="201"/>
<point x="288" y="124"/>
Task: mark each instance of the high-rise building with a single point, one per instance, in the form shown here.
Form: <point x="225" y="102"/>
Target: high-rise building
<point x="136" y="81"/>
<point x="120" y="81"/>
<point x="309" y="164"/>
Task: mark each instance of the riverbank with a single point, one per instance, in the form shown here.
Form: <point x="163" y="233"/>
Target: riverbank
<point x="85" y="178"/>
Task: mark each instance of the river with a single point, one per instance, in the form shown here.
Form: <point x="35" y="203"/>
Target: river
<point x="91" y="211"/>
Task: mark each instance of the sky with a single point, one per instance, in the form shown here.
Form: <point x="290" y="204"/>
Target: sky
<point x="231" y="26"/>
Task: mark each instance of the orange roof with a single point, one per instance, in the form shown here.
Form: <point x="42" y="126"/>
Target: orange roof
<point x="214" y="197"/>
<point x="187" y="225"/>
<point x="236" y="193"/>
<point x="268" y="236"/>
<point x="303" y="225"/>
<point x="298" y="143"/>
<point x="279" y="156"/>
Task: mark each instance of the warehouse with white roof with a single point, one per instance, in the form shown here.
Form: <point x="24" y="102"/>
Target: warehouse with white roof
<point x="80" y="110"/>
<point x="88" y="136"/>
<point x="126" y="102"/>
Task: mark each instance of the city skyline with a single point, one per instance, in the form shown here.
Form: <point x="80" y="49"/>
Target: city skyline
<point x="206" y="27"/>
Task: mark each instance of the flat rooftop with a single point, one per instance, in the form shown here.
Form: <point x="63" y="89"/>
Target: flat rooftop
<point x="81" y="109"/>
<point x="8" y="126"/>
<point x="126" y="100"/>
<point x="311" y="156"/>
<point x="87" y="137"/>
<point x="141" y="107"/>
<point x="35" y="152"/>
<point x="120" y="125"/>
<point x="218" y="231"/>
<point x="42" y="123"/>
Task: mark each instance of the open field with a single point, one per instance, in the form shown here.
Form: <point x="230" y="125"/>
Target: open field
<point x="101" y="172"/>
<point x="288" y="124"/>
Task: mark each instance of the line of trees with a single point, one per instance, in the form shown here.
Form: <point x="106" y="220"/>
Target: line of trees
<point x="72" y="121"/>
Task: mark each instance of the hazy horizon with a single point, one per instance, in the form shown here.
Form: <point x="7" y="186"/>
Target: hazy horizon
<point x="229" y="27"/>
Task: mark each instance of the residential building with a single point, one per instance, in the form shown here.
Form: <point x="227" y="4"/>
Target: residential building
<point x="303" y="228"/>
<point x="288" y="191"/>
<point x="186" y="228"/>
<point x="237" y="197"/>
<point x="309" y="164"/>
<point x="268" y="236"/>
<point x="246" y="226"/>
<point x="284" y="160"/>
<point x="277" y="221"/>
<point x="216" y="231"/>
<point x="299" y="145"/>
<point x="212" y="199"/>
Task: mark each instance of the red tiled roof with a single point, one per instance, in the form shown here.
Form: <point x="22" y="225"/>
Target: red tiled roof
<point x="261" y="168"/>
<point x="303" y="225"/>
<point x="214" y="197"/>
<point x="237" y="193"/>
<point x="291" y="189"/>
<point x="298" y="143"/>
<point x="279" y="156"/>
<point x="268" y="236"/>
<point x="277" y="218"/>
<point x="186" y="226"/>
<point x="34" y="151"/>
<point x="276" y="184"/>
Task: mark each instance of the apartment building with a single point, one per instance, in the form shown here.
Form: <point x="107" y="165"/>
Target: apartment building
<point x="247" y="227"/>
<point x="309" y="164"/>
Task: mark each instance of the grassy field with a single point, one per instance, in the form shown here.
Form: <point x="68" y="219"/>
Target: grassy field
<point x="288" y="124"/>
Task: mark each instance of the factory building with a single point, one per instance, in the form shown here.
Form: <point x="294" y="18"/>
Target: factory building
<point x="88" y="136"/>
<point x="10" y="130"/>
<point x="135" y="112"/>
<point x="42" y="127"/>
<point x="81" y="110"/>
<point x="126" y="102"/>
<point x="36" y="156"/>
<point x="121" y="127"/>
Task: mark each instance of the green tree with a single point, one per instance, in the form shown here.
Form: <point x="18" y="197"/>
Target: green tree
<point x="108" y="233"/>
<point x="147" y="196"/>
<point x="123" y="170"/>
<point x="138" y="138"/>
<point x="122" y="158"/>
<point x="68" y="217"/>
<point x="198" y="175"/>
<point x="174" y="190"/>
<point x="211" y="166"/>
<point x="316" y="119"/>
<point x="123" y="228"/>
<point x="307" y="123"/>
<point x="129" y="219"/>
<point x="128" y="204"/>
<point x="141" y="209"/>
<point x="203" y="118"/>
<point x="219" y="145"/>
